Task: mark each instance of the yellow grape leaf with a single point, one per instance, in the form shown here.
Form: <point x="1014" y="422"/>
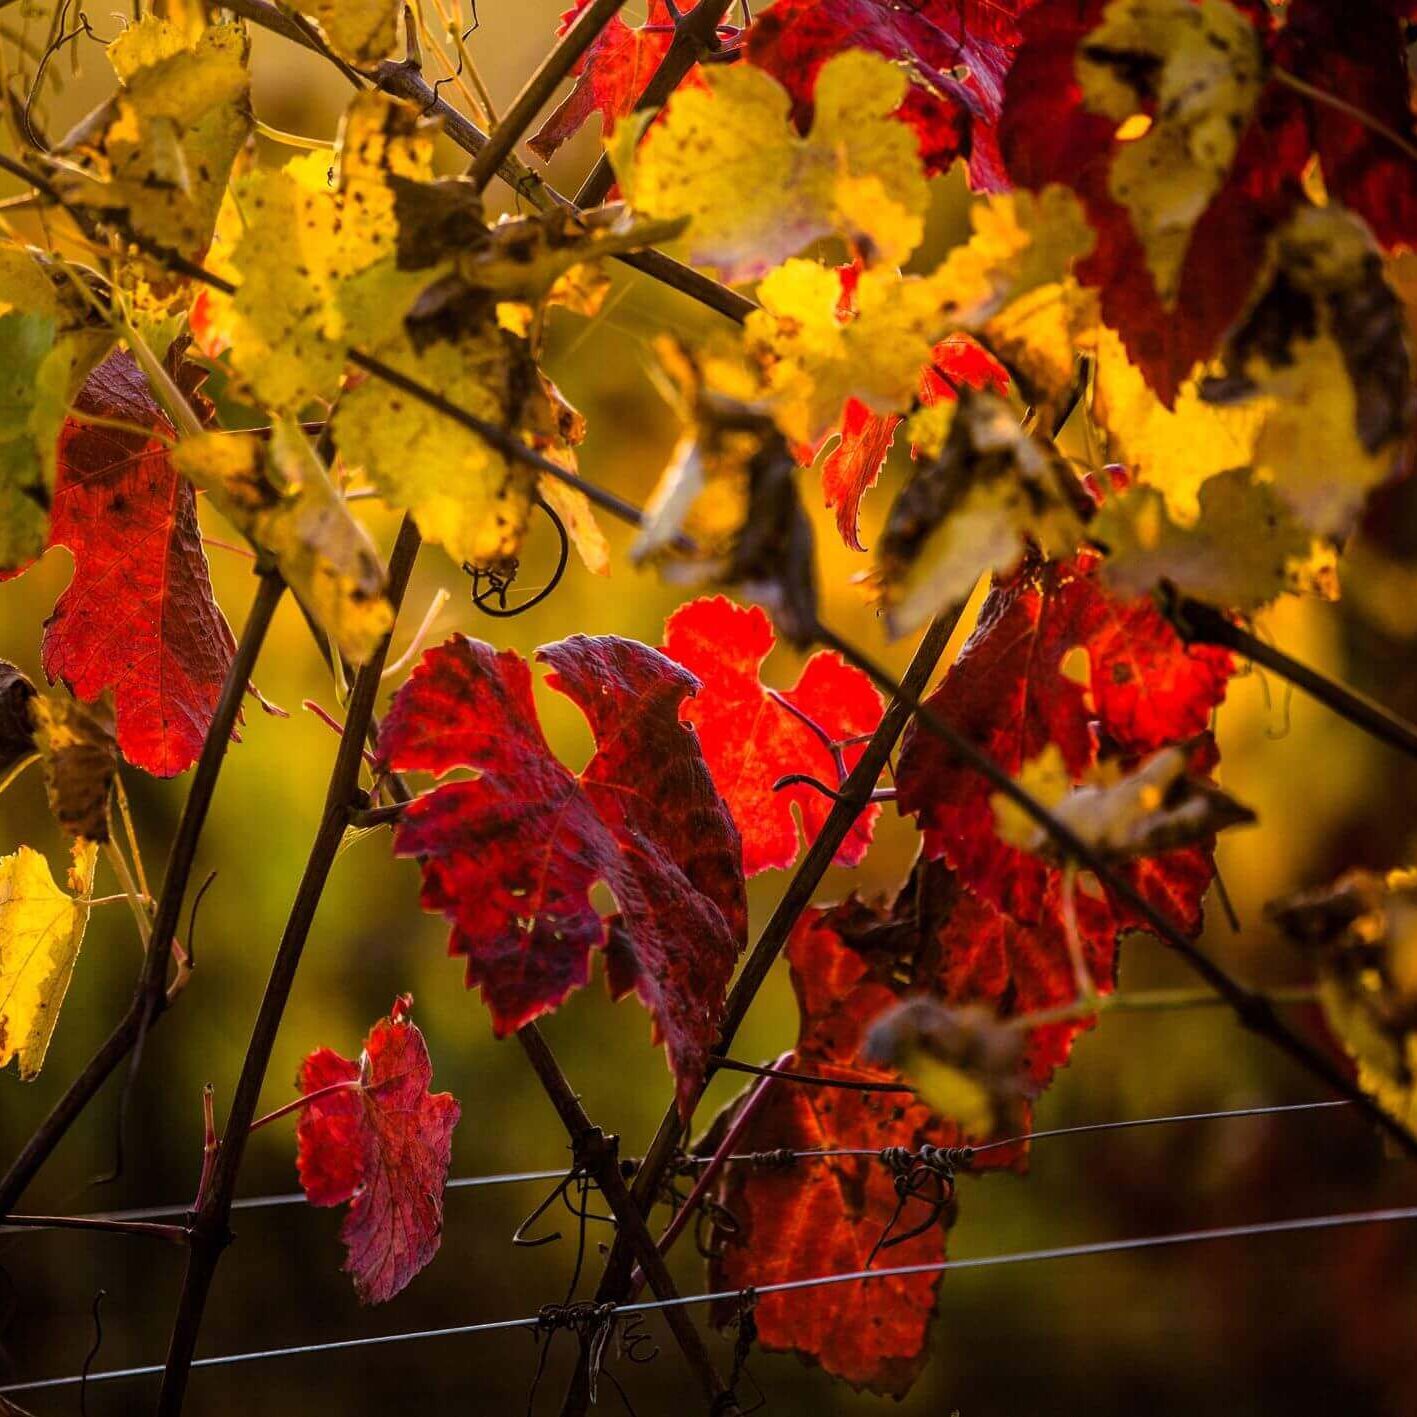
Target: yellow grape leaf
<point x="1176" y="450"/>
<point x="50" y="339"/>
<point x="362" y="31"/>
<point x="317" y="265"/>
<point x="158" y="153"/>
<point x="726" y="509"/>
<point x="80" y="760"/>
<point x="964" y="1063"/>
<point x="1197" y="69"/>
<point x="813" y="359"/>
<point x="1361" y="932"/>
<point x="463" y="493"/>
<point x="980" y="492"/>
<point x="1326" y="345"/>
<point x="277" y="493"/>
<point x="1243" y="549"/>
<point x="1020" y="241"/>
<point x="755" y="191"/>
<point x="41" y="929"/>
<point x="1158" y="806"/>
<point x="569" y="503"/>
<point x="1045" y="778"/>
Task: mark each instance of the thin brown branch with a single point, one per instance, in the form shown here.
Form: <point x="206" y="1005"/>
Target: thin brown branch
<point x="597" y="1154"/>
<point x="211" y="1225"/>
<point x="150" y="999"/>
<point x="175" y="1234"/>
<point x="1199" y="623"/>
<point x="584" y="31"/>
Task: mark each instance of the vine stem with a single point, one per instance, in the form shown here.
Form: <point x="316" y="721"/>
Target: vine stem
<point x="584" y="31"/>
<point x="1255" y="1011"/>
<point x="855" y="795"/>
<point x="695" y="35"/>
<point x="210" y="1230"/>
<point x="150" y="999"/>
<point x="1350" y="110"/>
<point x="735" y="1132"/>
<point x="1198" y="623"/>
<point x="597" y="1154"/>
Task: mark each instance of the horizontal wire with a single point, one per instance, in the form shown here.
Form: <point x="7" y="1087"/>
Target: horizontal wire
<point x="158" y="1212"/>
<point x="1057" y="1252"/>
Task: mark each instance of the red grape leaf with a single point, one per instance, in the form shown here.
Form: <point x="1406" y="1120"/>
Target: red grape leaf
<point x="1048" y="135"/>
<point x="510" y="857"/>
<point x="956" y="52"/>
<point x="1356" y="52"/>
<point x="865" y="437"/>
<point x="384" y="1146"/>
<point x="138" y="617"/>
<point x="825" y="1217"/>
<point x="1055" y="659"/>
<point x="610" y="75"/>
<point x="749" y="740"/>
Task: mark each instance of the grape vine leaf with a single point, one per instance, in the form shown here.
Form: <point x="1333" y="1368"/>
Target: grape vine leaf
<point x="1055" y="659"/>
<point x="49" y="341"/>
<point x="610" y="75"/>
<point x="750" y="738"/>
<point x="864" y="438"/>
<point x="982" y="494"/>
<point x="276" y="492"/>
<point x="826" y="1216"/>
<point x="1360" y="933"/>
<point x="80" y="761"/>
<point x="158" y="153"/>
<point x="755" y="192"/>
<point x="17" y="692"/>
<point x="362" y="31"/>
<point x="1354" y="59"/>
<point x="510" y="857"/>
<point x="1183" y="197"/>
<point x="139" y="617"/>
<point x="383" y="1144"/>
<point x="41" y="929"/>
<point x="1324" y="347"/>
<point x="955" y="52"/>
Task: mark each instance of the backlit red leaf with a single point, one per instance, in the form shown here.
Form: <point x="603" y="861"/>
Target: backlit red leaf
<point x="1357" y="54"/>
<point x="384" y="1146"/>
<point x="1055" y="659"/>
<point x="138" y="617"/>
<point x="1047" y="135"/>
<point x="510" y="857"/>
<point x="610" y="76"/>
<point x="956" y="52"/>
<point x="825" y="1216"/>
<point x="750" y="740"/>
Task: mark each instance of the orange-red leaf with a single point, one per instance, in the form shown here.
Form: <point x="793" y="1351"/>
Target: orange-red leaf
<point x="825" y="1216"/>
<point x="138" y="617"/>
<point x="853" y="465"/>
<point x="384" y="1146"/>
<point x="1055" y="659"/>
<point x="610" y="76"/>
<point x="750" y="740"/>
<point x="510" y="857"/>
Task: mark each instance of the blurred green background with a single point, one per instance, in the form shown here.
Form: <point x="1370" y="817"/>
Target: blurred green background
<point x="1292" y="1324"/>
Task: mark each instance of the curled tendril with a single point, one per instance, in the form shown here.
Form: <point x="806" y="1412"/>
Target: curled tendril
<point x="927" y="1175"/>
<point x="491" y="584"/>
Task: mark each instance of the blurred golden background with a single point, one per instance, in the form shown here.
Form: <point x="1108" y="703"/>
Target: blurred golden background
<point x="1292" y="1323"/>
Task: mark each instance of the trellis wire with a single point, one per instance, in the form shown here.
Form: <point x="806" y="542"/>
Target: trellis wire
<point x="1057" y="1252"/>
<point x="506" y="1178"/>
